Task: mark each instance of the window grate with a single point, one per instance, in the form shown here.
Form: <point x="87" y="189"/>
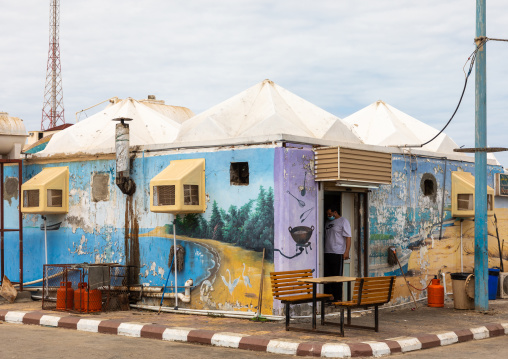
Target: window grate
<point x="164" y="195"/>
<point x="31" y="198"/>
<point x="191" y="194"/>
<point x="54" y="198"/>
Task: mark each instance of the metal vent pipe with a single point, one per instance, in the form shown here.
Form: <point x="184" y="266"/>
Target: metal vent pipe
<point x="123" y="164"/>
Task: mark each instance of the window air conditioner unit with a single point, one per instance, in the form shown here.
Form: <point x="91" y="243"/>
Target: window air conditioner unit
<point x="179" y="188"/>
<point x="47" y="192"/>
<point x="463" y="190"/>
<point x="503" y="285"/>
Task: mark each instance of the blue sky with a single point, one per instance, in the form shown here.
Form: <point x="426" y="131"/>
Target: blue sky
<point x="339" y="55"/>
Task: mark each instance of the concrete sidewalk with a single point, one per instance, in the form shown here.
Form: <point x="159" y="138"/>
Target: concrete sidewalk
<point x="401" y="329"/>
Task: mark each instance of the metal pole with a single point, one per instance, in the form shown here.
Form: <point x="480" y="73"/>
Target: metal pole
<point x="45" y="241"/>
<point x="20" y="220"/>
<point x="174" y="260"/>
<point x="480" y="223"/>
<point x="2" y="219"/>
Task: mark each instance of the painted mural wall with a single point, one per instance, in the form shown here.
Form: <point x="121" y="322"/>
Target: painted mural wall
<point x="404" y="216"/>
<point x="296" y="242"/>
<point x="223" y="247"/>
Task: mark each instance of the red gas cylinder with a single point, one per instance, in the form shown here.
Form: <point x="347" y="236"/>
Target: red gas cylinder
<point x="64" y="296"/>
<point x="79" y="297"/>
<point x="435" y="293"/>
<point x="92" y="301"/>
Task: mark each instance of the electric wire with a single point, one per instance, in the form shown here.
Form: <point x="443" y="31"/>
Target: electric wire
<point x="470" y="59"/>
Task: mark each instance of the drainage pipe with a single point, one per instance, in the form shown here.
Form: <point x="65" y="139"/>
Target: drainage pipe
<point x="183" y="297"/>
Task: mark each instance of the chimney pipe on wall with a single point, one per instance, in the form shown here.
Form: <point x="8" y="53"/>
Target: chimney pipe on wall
<point x="123" y="166"/>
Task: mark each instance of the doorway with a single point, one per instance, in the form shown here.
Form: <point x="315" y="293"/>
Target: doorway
<point x="352" y="205"/>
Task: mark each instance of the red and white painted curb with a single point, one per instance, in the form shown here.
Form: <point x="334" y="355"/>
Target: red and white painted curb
<point x="258" y="343"/>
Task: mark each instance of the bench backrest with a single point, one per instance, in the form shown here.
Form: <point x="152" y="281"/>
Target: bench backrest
<point x="373" y="290"/>
<point x="286" y="284"/>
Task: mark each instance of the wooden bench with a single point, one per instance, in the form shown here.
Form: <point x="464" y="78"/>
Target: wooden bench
<point x="367" y="292"/>
<point x="287" y="289"/>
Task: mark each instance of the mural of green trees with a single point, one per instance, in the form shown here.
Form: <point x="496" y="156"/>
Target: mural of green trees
<point x="251" y="226"/>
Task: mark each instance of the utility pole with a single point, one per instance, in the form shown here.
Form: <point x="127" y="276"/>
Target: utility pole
<point x="480" y="196"/>
<point x="53" y="108"/>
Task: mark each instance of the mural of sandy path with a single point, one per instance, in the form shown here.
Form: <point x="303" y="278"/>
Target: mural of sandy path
<point x="444" y="255"/>
<point x="227" y="256"/>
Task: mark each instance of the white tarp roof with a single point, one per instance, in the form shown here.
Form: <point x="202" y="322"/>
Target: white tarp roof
<point x="262" y="110"/>
<point x="383" y="125"/>
<point x="97" y="133"/>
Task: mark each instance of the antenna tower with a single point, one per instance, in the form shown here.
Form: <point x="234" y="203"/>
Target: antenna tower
<point x="53" y="108"/>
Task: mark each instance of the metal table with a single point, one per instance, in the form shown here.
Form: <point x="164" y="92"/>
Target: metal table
<point x="325" y="280"/>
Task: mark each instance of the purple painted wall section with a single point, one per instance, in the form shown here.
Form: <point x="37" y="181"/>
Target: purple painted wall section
<point x="296" y="198"/>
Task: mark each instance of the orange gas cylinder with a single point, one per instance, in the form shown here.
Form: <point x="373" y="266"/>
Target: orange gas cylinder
<point x="79" y="297"/>
<point x="92" y="301"/>
<point x="64" y="296"/>
<point x="435" y="293"/>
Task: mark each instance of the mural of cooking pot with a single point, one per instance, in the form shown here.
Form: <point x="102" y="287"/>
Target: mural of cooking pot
<point x="301" y="235"/>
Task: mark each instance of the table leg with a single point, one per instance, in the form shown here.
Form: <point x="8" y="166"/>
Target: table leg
<point x="349" y="298"/>
<point x="314" y="305"/>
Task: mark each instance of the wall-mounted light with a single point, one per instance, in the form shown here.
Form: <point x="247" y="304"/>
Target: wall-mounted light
<point x="356" y="185"/>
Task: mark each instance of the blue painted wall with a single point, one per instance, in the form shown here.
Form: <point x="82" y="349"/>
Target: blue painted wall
<point x="96" y="231"/>
<point x="400" y="215"/>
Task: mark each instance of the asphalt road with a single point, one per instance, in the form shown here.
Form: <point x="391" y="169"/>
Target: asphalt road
<point x="23" y="341"/>
<point x="30" y="341"/>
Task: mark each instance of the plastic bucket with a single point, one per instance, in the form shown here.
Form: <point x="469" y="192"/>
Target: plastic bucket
<point x="493" y="281"/>
<point x="460" y="298"/>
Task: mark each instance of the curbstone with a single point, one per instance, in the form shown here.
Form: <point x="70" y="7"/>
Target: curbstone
<point x="228" y="340"/>
<point x="88" y="325"/>
<point x="49" y="321"/>
<point x="281" y="346"/>
<point x="448" y="338"/>
<point x="130" y="329"/>
<point x="14" y="317"/>
<point x="256" y="343"/>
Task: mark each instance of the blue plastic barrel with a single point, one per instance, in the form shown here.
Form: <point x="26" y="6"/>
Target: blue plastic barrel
<point x="493" y="280"/>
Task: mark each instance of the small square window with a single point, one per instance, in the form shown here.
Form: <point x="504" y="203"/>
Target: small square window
<point x="54" y="197"/>
<point x="465" y="202"/>
<point x="191" y="194"/>
<point x="239" y="173"/>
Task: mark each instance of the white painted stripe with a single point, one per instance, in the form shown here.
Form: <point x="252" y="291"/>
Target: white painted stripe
<point x="505" y="326"/>
<point x="230" y="340"/>
<point x="480" y="332"/>
<point x="335" y="351"/>
<point x="408" y="344"/>
<point x="176" y="334"/>
<point x="14" y="317"/>
<point x="379" y="349"/>
<point x="448" y="338"/>
<point x="50" y="320"/>
<point x="89" y="325"/>
<point x="281" y="346"/>
<point x="130" y="329"/>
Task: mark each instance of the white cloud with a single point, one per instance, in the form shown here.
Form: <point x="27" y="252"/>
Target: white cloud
<point x="340" y="55"/>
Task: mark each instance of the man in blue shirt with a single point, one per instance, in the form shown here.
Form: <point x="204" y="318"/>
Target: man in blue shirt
<point x="337" y="245"/>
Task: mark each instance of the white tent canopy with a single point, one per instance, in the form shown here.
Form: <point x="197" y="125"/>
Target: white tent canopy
<point x="262" y="110"/>
<point x="383" y="125"/>
<point x="97" y="133"/>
